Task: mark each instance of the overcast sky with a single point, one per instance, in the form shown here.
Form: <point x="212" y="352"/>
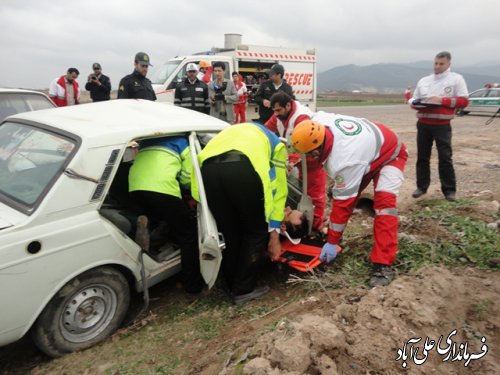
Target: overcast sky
<point x="40" y="39"/>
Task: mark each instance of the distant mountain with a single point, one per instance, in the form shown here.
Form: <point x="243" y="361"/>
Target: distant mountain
<point x="393" y="78"/>
<point x="488" y="70"/>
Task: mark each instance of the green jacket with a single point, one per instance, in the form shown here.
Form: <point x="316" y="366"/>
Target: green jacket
<point x="268" y="157"/>
<point x="162" y="165"/>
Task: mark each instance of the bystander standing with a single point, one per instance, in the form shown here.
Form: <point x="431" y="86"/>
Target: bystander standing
<point x="240" y="106"/>
<point x="136" y="85"/>
<point x="64" y="90"/>
<point x="268" y="88"/>
<point x="98" y="84"/>
<point x="192" y="93"/>
<point x="222" y="94"/>
<point x="436" y="99"/>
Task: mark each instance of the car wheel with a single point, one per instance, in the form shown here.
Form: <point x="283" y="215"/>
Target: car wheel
<point x="85" y="311"/>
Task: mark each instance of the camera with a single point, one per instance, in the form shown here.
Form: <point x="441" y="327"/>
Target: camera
<point x="93" y="77"/>
<point x="219" y="91"/>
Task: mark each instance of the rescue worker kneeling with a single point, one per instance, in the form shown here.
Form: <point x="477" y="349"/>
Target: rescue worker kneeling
<point x="160" y="168"/>
<point x="354" y="152"/>
<point x="244" y="173"/>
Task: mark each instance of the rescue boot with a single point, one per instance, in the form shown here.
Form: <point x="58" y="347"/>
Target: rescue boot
<point x="254" y="294"/>
<point x="381" y="275"/>
<point x="450" y="196"/>
<point x="418" y="193"/>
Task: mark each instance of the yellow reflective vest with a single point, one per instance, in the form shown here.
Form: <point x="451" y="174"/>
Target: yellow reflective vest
<point x="268" y="157"/>
<point x="162" y="165"/>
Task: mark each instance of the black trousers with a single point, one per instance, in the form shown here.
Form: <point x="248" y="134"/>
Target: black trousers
<point x="426" y="135"/>
<point x="236" y="198"/>
<point x="183" y="227"/>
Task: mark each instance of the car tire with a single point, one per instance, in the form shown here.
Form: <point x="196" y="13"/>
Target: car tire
<point x="89" y="308"/>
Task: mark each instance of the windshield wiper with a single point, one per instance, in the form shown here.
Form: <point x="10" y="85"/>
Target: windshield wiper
<point x="72" y="174"/>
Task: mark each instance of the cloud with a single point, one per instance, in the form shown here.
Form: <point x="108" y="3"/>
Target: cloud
<point x="41" y="39"/>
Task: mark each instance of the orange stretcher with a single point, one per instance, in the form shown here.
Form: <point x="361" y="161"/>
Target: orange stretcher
<point x="303" y="256"/>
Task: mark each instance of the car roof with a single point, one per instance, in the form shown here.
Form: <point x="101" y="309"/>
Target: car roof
<point x="20" y="91"/>
<point x="493" y="92"/>
<point x="487" y="89"/>
<point x="119" y="121"/>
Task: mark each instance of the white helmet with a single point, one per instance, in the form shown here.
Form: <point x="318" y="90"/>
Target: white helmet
<point x="191" y="66"/>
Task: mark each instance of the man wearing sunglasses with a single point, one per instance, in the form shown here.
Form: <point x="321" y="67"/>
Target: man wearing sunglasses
<point x="98" y="84"/>
<point x="136" y="85"/>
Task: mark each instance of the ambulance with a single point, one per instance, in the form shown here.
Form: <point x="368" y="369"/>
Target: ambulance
<point x="251" y="61"/>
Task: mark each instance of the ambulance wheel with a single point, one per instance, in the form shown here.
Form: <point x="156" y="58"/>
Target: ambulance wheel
<point x="85" y="311"/>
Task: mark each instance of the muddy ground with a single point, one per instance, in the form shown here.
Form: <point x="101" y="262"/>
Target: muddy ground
<point x="301" y="330"/>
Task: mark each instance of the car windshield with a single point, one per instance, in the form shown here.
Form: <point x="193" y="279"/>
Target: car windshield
<point x="12" y="103"/>
<point x="161" y="75"/>
<point x="30" y="159"/>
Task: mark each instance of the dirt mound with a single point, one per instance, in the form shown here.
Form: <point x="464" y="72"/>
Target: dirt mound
<point x="370" y="332"/>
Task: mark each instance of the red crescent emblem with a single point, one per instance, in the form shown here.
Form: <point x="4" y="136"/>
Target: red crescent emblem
<point x="350" y="127"/>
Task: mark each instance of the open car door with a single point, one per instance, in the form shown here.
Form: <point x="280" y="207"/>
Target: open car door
<point x="210" y="244"/>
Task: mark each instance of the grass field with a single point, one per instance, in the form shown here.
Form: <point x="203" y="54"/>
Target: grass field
<point x="357" y="99"/>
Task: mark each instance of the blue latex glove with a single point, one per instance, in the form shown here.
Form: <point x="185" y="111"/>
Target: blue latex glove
<point x="328" y="252"/>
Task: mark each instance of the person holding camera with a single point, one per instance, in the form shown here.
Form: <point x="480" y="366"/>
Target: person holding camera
<point x="222" y="94"/>
<point x="98" y="84"/>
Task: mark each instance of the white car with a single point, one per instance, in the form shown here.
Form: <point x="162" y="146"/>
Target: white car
<point x="68" y="259"/>
<point x="13" y="101"/>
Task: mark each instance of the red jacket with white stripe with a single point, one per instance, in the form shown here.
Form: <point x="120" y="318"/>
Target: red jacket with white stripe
<point x="452" y="89"/>
<point x="285" y="128"/>
<point x="360" y="149"/>
<point x="241" y="89"/>
<point x="205" y="76"/>
<point x="58" y="94"/>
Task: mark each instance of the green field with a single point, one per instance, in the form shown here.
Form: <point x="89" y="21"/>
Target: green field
<point x="350" y="99"/>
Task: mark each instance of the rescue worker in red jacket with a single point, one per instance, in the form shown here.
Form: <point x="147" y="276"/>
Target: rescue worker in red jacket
<point x="354" y="152"/>
<point x="64" y="90"/>
<point x="407" y="94"/>
<point x="205" y="72"/>
<point x="436" y="99"/>
<point x="287" y="114"/>
<point x="240" y="106"/>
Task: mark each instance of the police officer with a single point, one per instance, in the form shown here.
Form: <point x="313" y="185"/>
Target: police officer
<point x="192" y="93"/>
<point x="136" y="85"/>
<point x="160" y="171"/>
<point x="244" y="173"/>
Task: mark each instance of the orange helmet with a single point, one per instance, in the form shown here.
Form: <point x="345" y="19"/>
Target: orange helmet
<point x="204" y="64"/>
<point x="307" y="136"/>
